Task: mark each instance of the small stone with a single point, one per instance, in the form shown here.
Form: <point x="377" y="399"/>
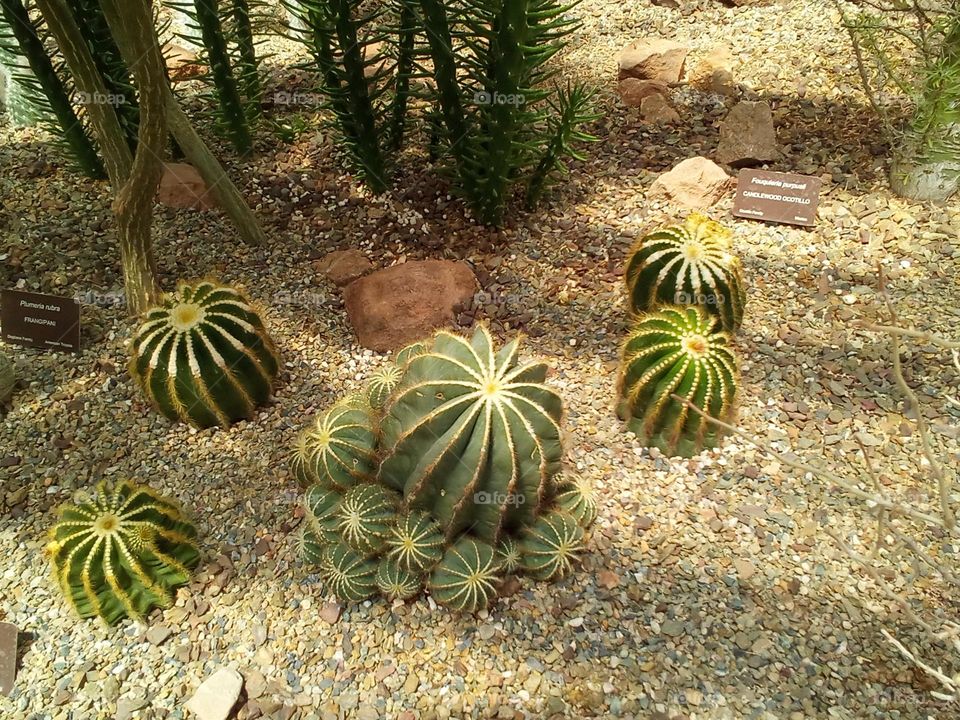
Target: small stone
<point x="8" y="657"/>
<point x="411" y="684"/>
<point x="656" y="110"/>
<point x="695" y="183"/>
<point x="158" y="634"/>
<point x="342" y="267"/>
<point x="653" y="59"/>
<point x="633" y="90"/>
<point x="330" y="612"/>
<point x="255" y="683"/>
<point x="747" y="136"/>
<point x="745" y="569"/>
<point x="608" y="579"/>
<point x="182" y="187"/>
<point x="217" y="695"/>
<point x="672" y="628"/>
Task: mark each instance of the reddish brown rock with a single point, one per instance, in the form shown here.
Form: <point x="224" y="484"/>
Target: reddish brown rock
<point x="394" y="307"/>
<point x="182" y="64"/>
<point x="656" y="110"/>
<point x="748" y="136"/>
<point x="342" y="267"/>
<point x="182" y="187"/>
<point x="714" y="72"/>
<point x="695" y="183"/>
<point x="633" y="90"/>
<point x="653" y="59"/>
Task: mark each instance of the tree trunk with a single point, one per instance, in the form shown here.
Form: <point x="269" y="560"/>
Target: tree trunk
<point x="219" y="184"/>
<point x="134" y="179"/>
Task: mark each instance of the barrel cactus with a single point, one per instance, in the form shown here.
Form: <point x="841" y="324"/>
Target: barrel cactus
<point x="688" y="264"/>
<point x="122" y="552"/>
<point x="459" y="465"/>
<point x="338" y="452"/>
<point x="677" y="351"/>
<point x="8" y="378"/>
<point x="203" y="356"/>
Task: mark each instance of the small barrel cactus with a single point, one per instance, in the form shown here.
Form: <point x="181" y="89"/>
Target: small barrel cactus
<point x="688" y="264"/>
<point x="466" y="578"/>
<point x="121" y="553"/>
<point x="338" y="452"/>
<point x="204" y="356"/>
<point x="382" y="383"/>
<point x="677" y="351"/>
<point x="8" y="378"/>
<point x="459" y="480"/>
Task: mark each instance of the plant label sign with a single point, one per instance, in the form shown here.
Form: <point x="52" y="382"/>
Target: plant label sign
<point x="41" y="321"/>
<point x="777" y="197"/>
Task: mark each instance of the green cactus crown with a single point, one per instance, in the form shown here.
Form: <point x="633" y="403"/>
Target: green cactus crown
<point x="122" y="552"/>
<point x="688" y="264"/>
<point x="204" y="356"/>
<point x="677" y="351"/>
<point x="456" y="472"/>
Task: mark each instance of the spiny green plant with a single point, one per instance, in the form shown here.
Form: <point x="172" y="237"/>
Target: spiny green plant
<point x="576" y="498"/>
<point x="321" y="505"/>
<point x="382" y="383"/>
<point x="225" y="30"/>
<point x="502" y="124"/>
<point x="310" y="547"/>
<point x="472" y="437"/>
<point x="351" y="575"/>
<point x="415" y="543"/>
<point x="204" y="356"/>
<point x="8" y="378"/>
<point x="466" y="578"/>
<point x="345" y="39"/>
<point x="365" y="516"/>
<point x="338" y="452"/>
<point x="463" y="460"/>
<point x="683" y="352"/>
<point x="122" y="552"/>
<point x="550" y="547"/>
<point x="396" y="582"/>
<point x="688" y="264"/>
<point x="41" y="85"/>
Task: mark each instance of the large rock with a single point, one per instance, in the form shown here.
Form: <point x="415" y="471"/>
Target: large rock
<point x="215" y="698"/>
<point x="695" y="183"/>
<point x="656" y="110"/>
<point x="653" y="59"/>
<point x="714" y="71"/>
<point x="633" y="90"/>
<point x="747" y="136"/>
<point x="404" y="303"/>
<point x="182" y="187"/>
<point x="182" y="64"/>
<point x="342" y="267"/>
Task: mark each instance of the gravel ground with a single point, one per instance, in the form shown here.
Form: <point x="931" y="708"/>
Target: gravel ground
<point x="710" y="589"/>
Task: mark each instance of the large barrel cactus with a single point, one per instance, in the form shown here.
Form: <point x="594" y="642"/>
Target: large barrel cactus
<point x="122" y="552"/>
<point x="688" y="264"/>
<point x="204" y="356"/>
<point x="677" y="351"/>
<point x="468" y="479"/>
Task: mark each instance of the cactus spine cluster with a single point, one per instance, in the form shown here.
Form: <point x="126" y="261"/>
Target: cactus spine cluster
<point x="688" y="264"/>
<point x="453" y="484"/>
<point x="121" y="553"/>
<point x="683" y="352"/>
<point x="204" y="356"/>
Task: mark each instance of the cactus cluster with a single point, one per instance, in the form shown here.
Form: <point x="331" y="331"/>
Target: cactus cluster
<point x="450" y="479"/>
<point x="204" y="356"/>
<point x="688" y="264"/>
<point x="686" y="293"/>
<point x="122" y="552"/>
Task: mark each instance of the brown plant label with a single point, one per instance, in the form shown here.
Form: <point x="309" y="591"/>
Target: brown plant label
<point x="777" y="197"/>
<point x="40" y="321"/>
